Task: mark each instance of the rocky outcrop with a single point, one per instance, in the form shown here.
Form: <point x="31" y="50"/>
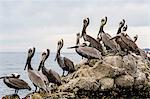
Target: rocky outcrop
<point x="111" y="77"/>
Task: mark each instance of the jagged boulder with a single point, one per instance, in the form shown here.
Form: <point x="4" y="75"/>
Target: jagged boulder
<point x="103" y="69"/>
<point x="114" y="61"/>
<point x="130" y="65"/>
<point x="80" y="83"/>
<point x="113" y="73"/>
<point x="106" y="83"/>
<point x="140" y="79"/>
<point x="13" y="96"/>
<point x="124" y="81"/>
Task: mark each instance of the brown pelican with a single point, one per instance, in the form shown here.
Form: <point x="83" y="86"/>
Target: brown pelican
<point x="65" y="63"/>
<point x="135" y="38"/>
<point x="85" y="51"/>
<point x="125" y="43"/>
<point x="93" y="42"/>
<point x="105" y="37"/>
<point x="51" y="75"/>
<point x="142" y="52"/>
<point x="13" y="81"/>
<point x="118" y="37"/>
<point x="124" y="29"/>
<point x="36" y="77"/>
<point x="121" y="24"/>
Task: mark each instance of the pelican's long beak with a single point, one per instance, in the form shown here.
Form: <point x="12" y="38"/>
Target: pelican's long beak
<point x="26" y="63"/>
<point x="58" y="49"/>
<point x="117" y="36"/>
<point x="112" y="38"/>
<point x="40" y="66"/>
<point x="25" y="66"/>
<point x="6" y="76"/>
<point x="73" y="47"/>
<point x="56" y="56"/>
<point x="2" y="77"/>
<point x="81" y="35"/>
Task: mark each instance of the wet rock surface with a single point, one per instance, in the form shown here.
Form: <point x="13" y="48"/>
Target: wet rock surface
<point x="113" y="77"/>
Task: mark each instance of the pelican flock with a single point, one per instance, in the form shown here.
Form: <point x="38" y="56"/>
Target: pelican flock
<point x="42" y="77"/>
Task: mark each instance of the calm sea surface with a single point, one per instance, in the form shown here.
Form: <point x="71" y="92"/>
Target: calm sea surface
<point x="11" y="62"/>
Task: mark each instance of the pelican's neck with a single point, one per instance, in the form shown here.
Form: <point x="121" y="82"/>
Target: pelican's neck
<point x="5" y="80"/>
<point x="135" y="39"/>
<point x="78" y="41"/>
<point x="119" y="30"/>
<point x="84" y="30"/>
<point x="29" y="65"/>
<point x="58" y="53"/>
<point x="101" y="29"/>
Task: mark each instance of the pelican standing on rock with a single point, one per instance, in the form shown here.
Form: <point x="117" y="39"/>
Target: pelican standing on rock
<point x="13" y="81"/>
<point x="142" y="52"/>
<point x="85" y="51"/>
<point x="51" y="75"/>
<point x="125" y="43"/>
<point x="118" y="38"/>
<point x="65" y="63"/>
<point x="105" y="38"/>
<point x="121" y="24"/>
<point x="93" y="42"/>
<point x="36" y="77"/>
<point x="124" y="29"/>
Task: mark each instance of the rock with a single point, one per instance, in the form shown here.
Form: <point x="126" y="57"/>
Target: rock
<point x="61" y="95"/>
<point x="106" y="83"/>
<point x="78" y="66"/>
<point x="93" y="62"/>
<point x="36" y="96"/>
<point x="124" y="81"/>
<point x="142" y="65"/>
<point x="114" y="61"/>
<point x="67" y="78"/>
<point x="148" y="84"/>
<point x="103" y="69"/>
<point x="112" y="76"/>
<point x="80" y="83"/>
<point x="140" y="79"/>
<point x="129" y="63"/>
<point x="143" y="54"/>
<point x="84" y="72"/>
<point x="13" y="96"/>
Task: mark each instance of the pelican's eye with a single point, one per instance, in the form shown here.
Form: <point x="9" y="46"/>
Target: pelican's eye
<point x="102" y="20"/>
<point x="30" y="51"/>
<point x="78" y="34"/>
<point x="43" y="53"/>
<point x="58" y="42"/>
<point x="120" y="23"/>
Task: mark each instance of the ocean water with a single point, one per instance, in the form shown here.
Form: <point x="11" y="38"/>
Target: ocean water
<point x="11" y="62"/>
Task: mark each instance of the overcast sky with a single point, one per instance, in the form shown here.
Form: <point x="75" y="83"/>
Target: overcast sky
<point x="41" y="23"/>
